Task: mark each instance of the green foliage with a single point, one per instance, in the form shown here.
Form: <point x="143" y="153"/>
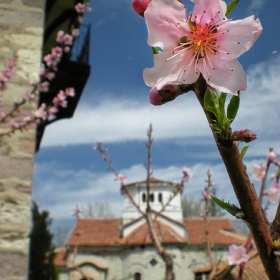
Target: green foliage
<point x="213" y="209"/>
<point x="216" y="105"/>
<point x="155" y="51"/>
<point x="231" y="6"/>
<point x="42" y="255"/>
<point x="231" y="208"/>
<point x="243" y="151"/>
<point x="233" y="107"/>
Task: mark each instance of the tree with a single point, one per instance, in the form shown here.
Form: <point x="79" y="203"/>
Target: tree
<point x="42" y="255"/>
<point x="191" y="207"/>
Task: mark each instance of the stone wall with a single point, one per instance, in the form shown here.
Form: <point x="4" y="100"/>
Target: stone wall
<point x="21" y="27"/>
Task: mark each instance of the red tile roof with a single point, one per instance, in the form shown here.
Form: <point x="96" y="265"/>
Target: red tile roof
<point x="141" y="235"/>
<point x="61" y="258"/>
<point x="96" y="232"/>
<point x="221" y="231"/>
<point x="107" y="231"/>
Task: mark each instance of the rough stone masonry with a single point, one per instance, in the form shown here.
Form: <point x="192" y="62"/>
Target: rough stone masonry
<point x="21" y="27"/>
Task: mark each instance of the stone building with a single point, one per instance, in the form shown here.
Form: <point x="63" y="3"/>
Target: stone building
<point x="21" y="25"/>
<point x="28" y="30"/>
<point x="121" y="248"/>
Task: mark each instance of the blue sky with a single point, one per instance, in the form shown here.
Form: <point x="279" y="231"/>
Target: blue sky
<point x="115" y="108"/>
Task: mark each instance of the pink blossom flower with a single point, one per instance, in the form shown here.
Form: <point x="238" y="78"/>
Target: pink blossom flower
<point x="53" y="110"/>
<point x="206" y="42"/>
<point x="121" y="178"/>
<point x="237" y="255"/>
<point x="259" y="172"/>
<point x="49" y="75"/>
<point x="59" y="37"/>
<point x="271" y="155"/>
<point x="77" y="211"/>
<point x="75" y="32"/>
<point x="68" y="39"/>
<point x="51" y="59"/>
<point x="276" y="185"/>
<point x="57" y="51"/>
<point x="14" y="124"/>
<point x="13" y="62"/>
<point x="66" y="49"/>
<point x="28" y="96"/>
<point x="88" y="9"/>
<point x="41" y="113"/>
<point x="273" y="195"/>
<point x="140" y="6"/>
<point x="80" y="8"/>
<point x="3" y="78"/>
<point x="206" y="195"/>
<point x="44" y="87"/>
<point x="70" y="92"/>
<point x="8" y="73"/>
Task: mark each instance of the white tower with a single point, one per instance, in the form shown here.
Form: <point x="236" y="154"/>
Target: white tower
<point x="160" y="193"/>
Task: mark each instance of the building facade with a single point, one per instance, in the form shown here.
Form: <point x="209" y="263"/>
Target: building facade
<point x="121" y="248"/>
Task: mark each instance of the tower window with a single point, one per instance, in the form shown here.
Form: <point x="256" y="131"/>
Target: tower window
<point x="143" y="197"/>
<point x="160" y="197"/>
<point x="152" y="197"/>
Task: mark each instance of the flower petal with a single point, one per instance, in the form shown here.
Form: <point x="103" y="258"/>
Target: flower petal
<point x="172" y="71"/>
<point x="238" y="36"/>
<point x="205" y="10"/>
<point x="161" y="17"/>
<point x="222" y="77"/>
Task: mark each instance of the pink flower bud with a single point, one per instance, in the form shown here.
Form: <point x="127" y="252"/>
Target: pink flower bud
<point x="165" y="94"/>
<point x="271" y="155"/>
<point x="140" y="6"/>
<point x="155" y="98"/>
<point x="245" y="135"/>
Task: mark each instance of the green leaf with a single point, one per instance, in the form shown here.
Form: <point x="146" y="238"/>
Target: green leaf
<point x="243" y="151"/>
<point x="222" y="120"/>
<point x="233" y="107"/>
<point x="231" y="6"/>
<point x="211" y="102"/>
<point x="231" y="208"/>
<point x="155" y="51"/>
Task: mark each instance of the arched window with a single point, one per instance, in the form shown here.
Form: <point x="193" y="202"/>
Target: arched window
<point x="152" y="197"/>
<point x="137" y="276"/>
<point x="160" y="197"/>
<point x="143" y="197"/>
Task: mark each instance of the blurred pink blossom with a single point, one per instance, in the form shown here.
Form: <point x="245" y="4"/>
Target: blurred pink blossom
<point x="41" y="113"/>
<point x="121" y="178"/>
<point x="276" y="185"/>
<point x="68" y="39"/>
<point x="70" y="92"/>
<point x="271" y="155"/>
<point x="75" y="32"/>
<point x="273" y="195"/>
<point x="259" y="172"/>
<point x="237" y="255"/>
<point x="80" y="8"/>
<point x="59" y="37"/>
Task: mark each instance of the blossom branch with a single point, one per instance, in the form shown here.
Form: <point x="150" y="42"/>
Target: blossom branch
<point x="245" y="192"/>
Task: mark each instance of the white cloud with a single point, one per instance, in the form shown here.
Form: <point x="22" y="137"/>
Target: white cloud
<point x="182" y="120"/>
<point x="256" y="6"/>
<point x="67" y="188"/>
